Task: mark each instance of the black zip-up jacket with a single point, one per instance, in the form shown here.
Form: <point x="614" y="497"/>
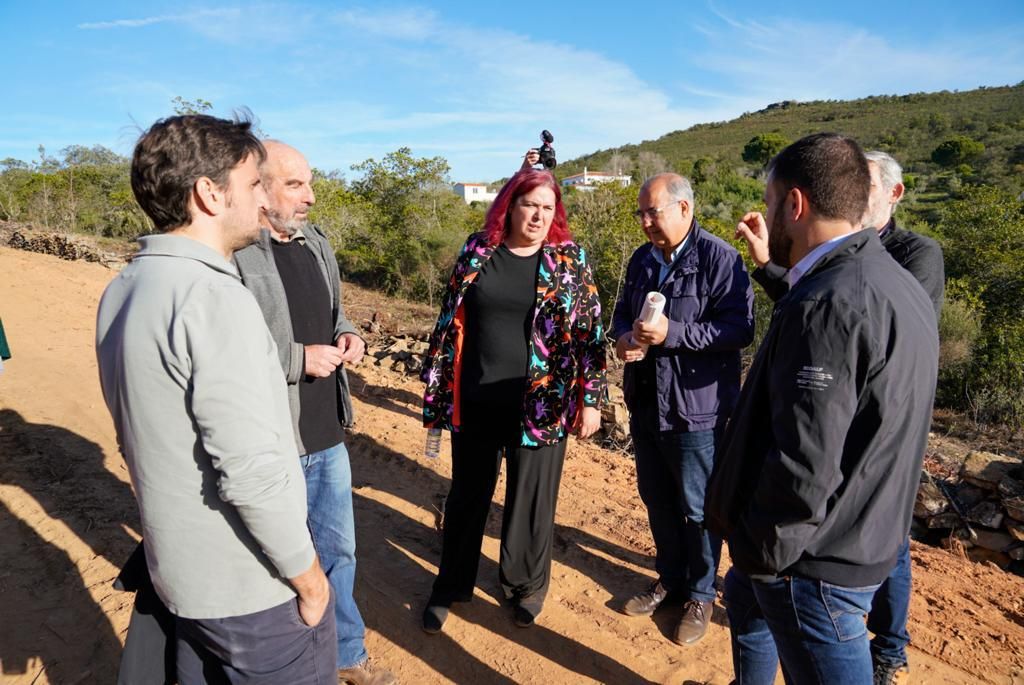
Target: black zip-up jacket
<point x="820" y="462"/>
<point x="918" y="254"/>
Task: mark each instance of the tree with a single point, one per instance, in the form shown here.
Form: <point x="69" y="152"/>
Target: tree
<point x="957" y="151"/>
<point x="620" y="164"/>
<point x="984" y="253"/>
<point x="97" y="155"/>
<point x="602" y="222"/>
<point x="650" y="163"/>
<point x="762" y="147"/>
<point x="197" y="106"/>
<point x="416" y="227"/>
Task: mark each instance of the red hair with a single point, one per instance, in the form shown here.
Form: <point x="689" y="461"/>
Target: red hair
<point x="496" y="223"/>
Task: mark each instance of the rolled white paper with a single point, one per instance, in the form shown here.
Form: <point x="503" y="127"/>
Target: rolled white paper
<point x="654" y="305"/>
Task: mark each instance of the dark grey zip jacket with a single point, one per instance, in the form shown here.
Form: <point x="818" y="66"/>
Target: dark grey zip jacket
<point x="821" y="459"/>
<point x="259" y="274"/>
<point x="918" y="254"/>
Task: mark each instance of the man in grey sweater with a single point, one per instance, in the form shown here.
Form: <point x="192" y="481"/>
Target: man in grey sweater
<point x="292" y="272"/>
<point x="191" y="376"/>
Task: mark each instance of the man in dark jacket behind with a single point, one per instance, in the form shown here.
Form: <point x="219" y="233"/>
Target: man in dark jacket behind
<point x="681" y="384"/>
<point x="922" y="257"/>
<point x="815" y="482"/>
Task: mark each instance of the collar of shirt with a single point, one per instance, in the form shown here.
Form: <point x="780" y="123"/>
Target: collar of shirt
<point x="173" y="245"/>
<point x="887" y="228"/>
<point x="666" y="266"/>
<point x="298" y="236"/>
<point x="811" y="258"/>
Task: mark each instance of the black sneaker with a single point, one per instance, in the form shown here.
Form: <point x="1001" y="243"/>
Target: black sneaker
<point x="891" y="674"/>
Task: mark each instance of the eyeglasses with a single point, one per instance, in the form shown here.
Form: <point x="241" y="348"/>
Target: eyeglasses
<point x="652" y="213"/>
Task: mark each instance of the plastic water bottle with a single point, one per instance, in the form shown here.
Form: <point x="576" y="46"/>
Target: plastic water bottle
<point x="433" y="448"/>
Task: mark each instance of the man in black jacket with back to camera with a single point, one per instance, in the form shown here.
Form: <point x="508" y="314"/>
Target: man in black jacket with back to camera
<point x="922" y="257"/>
<point x="815" y="481"/>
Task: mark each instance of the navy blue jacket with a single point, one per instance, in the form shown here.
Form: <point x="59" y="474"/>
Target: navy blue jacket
<point x="711" y="318"/>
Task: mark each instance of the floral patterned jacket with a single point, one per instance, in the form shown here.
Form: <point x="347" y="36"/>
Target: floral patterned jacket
<point x="567" y="355"/>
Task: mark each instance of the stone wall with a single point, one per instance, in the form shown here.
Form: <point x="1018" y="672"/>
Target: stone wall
<point x="981" y="505"/>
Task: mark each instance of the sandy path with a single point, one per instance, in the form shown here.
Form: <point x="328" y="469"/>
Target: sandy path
<point x="67" y="520"/>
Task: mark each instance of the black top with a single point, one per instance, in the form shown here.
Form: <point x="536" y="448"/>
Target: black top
<point x="499" y="314"/>
<point x="918" y="254"/>
<point x="309" y="304"/>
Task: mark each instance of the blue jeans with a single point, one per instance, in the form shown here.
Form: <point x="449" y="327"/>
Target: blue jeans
<point x="888" y="617"/>
<point x="332" y="525"/>
<point x="816" y="629"/>
<point x="672" y="471"/>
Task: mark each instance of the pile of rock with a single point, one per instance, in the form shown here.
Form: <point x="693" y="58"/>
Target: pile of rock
<point x="615" y="417"/>
<point x="53" y="244"/>
<point x="402" y="353"/>
<point x="989" y="495"/>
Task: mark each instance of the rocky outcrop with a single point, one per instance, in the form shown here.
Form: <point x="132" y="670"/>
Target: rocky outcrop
<point x="984" y="508"/>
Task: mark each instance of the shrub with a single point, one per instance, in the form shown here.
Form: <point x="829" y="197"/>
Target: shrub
<point x="956" y="151"/>
<point x="762" y="147"/>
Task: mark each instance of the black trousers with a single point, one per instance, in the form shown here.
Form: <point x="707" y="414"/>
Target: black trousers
<point x="527" y="528"/>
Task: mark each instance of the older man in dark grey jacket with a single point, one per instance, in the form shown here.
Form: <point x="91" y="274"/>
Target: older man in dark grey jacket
<point x="680" y="386"/>
<point x="292" y="271"/>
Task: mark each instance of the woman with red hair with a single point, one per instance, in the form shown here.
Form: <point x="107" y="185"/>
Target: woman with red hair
<point x="516" y="362"/>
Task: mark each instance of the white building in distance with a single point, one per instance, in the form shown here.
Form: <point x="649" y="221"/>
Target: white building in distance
<point x="588" y="180"/>
<point x="474" y="192"/>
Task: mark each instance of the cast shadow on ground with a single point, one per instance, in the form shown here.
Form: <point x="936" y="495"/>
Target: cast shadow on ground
<point x="395" y="400"/>
<point x="65" y="474"/>
<point x="572" y="547"/>
<point x="390" y="547"/>
<point x="51" y="624"/>
<point x="423" y="541"/>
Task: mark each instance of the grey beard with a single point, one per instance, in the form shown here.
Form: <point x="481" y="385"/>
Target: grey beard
<point x="287" y="228"/>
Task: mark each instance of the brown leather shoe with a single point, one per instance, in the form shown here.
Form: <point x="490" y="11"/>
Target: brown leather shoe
<point x="647" y="601"/>
<point x="694" y="623"/>
<point x="365" y="674"/>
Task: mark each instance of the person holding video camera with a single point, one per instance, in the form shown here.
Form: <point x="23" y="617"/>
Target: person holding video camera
<point x="516" y="361"/>
<point x="543" y="156"/>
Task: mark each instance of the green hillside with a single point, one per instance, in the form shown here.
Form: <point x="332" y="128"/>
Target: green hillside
<point x="910" y="127"/>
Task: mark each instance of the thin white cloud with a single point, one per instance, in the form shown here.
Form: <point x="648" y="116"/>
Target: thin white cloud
<point x="409" y="23"/>
<point x="255" y="24"/>
<point x="796" y="59"/>
<point x="386" y="75"/>
<point x="160" y="19"/>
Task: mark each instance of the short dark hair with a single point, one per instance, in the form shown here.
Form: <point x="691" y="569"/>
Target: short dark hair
<point x="176" y="152"/>
<point x="831" y="169"/>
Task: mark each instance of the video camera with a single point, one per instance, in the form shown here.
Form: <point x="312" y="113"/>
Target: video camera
<point x="546" y="152"/>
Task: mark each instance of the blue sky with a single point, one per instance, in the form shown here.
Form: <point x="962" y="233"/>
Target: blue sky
<point x="474" y="82"/>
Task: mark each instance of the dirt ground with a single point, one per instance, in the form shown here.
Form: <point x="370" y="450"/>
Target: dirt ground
<point x="68" y="520"/>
